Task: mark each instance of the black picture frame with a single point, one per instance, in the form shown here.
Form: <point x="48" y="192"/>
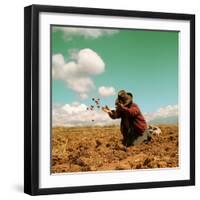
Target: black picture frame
<point x="31" y="99"/>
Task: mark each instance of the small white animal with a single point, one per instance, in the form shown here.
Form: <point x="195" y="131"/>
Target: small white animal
<point x="154" y="130"/>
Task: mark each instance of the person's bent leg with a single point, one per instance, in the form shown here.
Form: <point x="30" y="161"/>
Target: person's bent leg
<point x="135" y="138"/>
<point x="141" y="138"/>
<point x="132" y="137"/>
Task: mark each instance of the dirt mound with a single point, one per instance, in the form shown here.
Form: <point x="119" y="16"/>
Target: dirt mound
<point x="100" y="149"/>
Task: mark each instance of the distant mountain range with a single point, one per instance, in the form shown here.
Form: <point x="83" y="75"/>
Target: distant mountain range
<point x="164" y="120"/>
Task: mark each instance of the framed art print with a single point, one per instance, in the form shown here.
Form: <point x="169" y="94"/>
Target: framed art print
<point x="109" y="99"/>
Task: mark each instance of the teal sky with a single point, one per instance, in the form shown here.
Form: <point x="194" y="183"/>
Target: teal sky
<point x="139" y="61"/>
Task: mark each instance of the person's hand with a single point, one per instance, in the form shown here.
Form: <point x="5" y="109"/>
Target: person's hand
<point x="120" y="106"/>
<point x="106" y="109"/>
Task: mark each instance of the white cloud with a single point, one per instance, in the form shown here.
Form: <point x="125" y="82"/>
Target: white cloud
<point x="81" y="85"/>
<point x="74" y="108"/>
<point x="90" y="62"/>
<point x="106" y="91"/>
<point x="78" y="73"/>
<point x="58" y="60"/>
<point x="85" y="32"/>
<point x="76" y="114"/>
<point x="167" y="113"/>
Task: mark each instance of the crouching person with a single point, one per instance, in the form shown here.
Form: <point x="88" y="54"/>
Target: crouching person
<point x="133" y="125"/>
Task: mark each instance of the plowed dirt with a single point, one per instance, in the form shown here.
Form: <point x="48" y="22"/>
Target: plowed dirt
<point x="82" y="149"/>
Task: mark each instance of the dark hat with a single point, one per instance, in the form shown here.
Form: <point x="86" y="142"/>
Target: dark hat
<point x="124" y="97"/>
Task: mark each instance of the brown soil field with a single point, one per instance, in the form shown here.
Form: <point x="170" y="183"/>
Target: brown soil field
<point x="81" y="149"/>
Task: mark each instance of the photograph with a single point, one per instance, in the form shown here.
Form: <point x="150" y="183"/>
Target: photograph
<point x="114" y="99"/>
<point x="109" y="99"/>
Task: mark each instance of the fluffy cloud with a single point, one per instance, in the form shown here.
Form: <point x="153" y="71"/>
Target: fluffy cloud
<point x="85" y="32"/>
<point x="82" y="85"/>
<point x="89" y="62"/>
<point x="168" y="114"/>
<point x="76" y="114"/>
<point x="77" y="73"/>
<point x="106" y="91"/>
<point x="74" y="108"/>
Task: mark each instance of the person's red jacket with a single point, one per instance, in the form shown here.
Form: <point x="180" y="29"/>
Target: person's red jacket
<point x="131" y="118"/>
